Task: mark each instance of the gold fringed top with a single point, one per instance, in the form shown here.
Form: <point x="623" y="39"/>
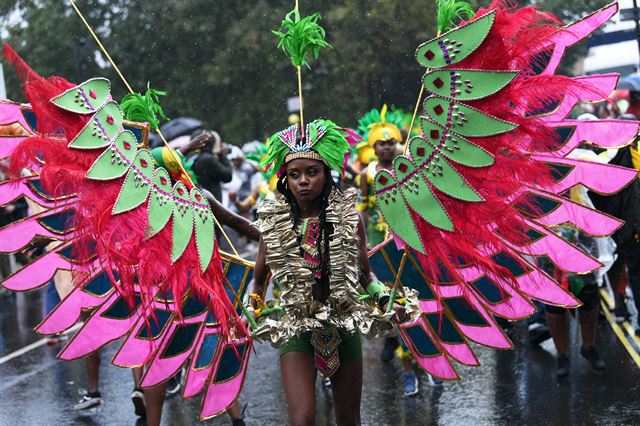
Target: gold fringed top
<point x="302" y="313"/>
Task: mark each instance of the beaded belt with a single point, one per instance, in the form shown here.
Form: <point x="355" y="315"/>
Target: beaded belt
<point x="325" y="342"/>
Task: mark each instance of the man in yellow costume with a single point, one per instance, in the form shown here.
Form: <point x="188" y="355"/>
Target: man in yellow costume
<point x="380" y="137"/>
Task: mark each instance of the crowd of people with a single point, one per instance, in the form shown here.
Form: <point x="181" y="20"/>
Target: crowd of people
<point x="233" y="175"/>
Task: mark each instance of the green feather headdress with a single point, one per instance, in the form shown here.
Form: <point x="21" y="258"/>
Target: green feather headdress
<point x="395" y="117"/>
<point x="257" y="156"/>
<point x="144" y="108"/>
<point x="450" y="11"/>
<point x="324" y="140"/>
<point x="298" y="37"/>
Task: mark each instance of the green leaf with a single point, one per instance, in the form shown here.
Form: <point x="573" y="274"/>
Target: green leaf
<point x="85" y="98"/>
<point x="160" y="201"/>
<point x="116" y="159"/>
<point x="205" y="232"/>
<point x="182" y="220"/>
<point x="458" y="43"/>
<point x="137" y="184"/>
<point x="467" y="85"/>
<point x="418" y="194"/>
<point x="465" y="120"/>
<point x="395" y="210"/>
<point x="100" y="129"/>
<point x="456" y="147"/>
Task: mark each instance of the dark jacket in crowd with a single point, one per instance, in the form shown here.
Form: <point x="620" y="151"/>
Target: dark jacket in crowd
<point x="624" y="205"/>
<point x="20" y="212"/>
<point x="212" y="170"/>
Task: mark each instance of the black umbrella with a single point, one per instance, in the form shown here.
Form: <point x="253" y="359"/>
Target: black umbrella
<point x="180" y="127"/>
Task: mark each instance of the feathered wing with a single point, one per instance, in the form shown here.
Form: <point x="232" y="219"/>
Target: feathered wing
<point x="479" y="192"/>
<point x="141" y="247"/>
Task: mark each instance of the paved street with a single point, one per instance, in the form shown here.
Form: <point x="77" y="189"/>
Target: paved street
<point x="511" y="387"/>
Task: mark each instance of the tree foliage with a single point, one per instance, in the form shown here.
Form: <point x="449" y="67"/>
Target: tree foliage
<point x="218" y="60"/>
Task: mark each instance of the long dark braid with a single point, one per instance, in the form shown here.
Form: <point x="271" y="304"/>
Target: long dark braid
<point x="321" y="290"/>
<point x="283" y="187"/>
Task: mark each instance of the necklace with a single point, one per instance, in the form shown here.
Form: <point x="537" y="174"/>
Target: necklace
<point x="309" y="233"/>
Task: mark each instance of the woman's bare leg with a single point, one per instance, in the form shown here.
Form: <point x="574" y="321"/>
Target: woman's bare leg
<point x="137" y="376"/>
<point x="154" y="399"/>
<point x="299" y="381"/>
<point x="235" y="411"/>
<point x="347" y="392"/>
<point x="588" y="326"/>
<point x="558" y="328"/>
<point x="92" y="364"/>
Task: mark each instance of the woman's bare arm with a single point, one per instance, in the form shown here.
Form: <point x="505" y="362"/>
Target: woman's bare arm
<point x="232" y="220"/>
<point x="261" y="271"/>
<point x="366" y="274"/>
<point x="364" y="191"/>
<point x="246" y="204"/>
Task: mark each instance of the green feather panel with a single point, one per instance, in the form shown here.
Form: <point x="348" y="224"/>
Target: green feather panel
<point x="204" y="226"/>
<point x="439" y="172"/>
<point x="85" y="98"/>
<point x="465" y="120"/>
<point x="182" y="221"/>
<point x="100" y="129"/>
<point x="160" y="202"/>
<point x="455" y="148"/>
<point x="446" y="127"/>
<point x="456" y="44"/>
<point x="468" y="85"/>
<point x="116" y="159"/>
<point x="122" y="157"/>
<point x="137" y="185"/>
<point x="395" y="210"/>
<point x="418" y="194"/>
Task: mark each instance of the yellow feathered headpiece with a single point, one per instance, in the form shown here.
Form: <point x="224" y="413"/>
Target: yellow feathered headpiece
<point x="383" y="131"/>
<point x="375" y="127"/>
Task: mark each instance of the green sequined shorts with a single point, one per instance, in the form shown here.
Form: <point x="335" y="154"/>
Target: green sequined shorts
<point x="350" y="349"/>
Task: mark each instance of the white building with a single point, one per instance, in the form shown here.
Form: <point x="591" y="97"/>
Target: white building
<point x="614" y="48"/>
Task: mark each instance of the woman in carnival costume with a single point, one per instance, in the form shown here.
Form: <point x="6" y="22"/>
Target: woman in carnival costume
<point x="472" y="199"/>
<point x="315" y="246"/>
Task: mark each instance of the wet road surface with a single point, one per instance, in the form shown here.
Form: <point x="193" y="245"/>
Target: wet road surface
<point x="511" y="387"/>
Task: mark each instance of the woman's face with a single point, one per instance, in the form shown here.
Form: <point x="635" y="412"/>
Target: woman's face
<point x="306" y="179"/>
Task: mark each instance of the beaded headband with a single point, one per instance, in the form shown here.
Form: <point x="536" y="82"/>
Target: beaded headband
<point x="323" y="140"/>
